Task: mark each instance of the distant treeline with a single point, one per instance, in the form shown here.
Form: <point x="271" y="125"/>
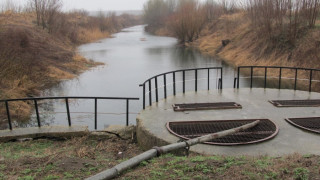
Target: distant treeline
<point x="276" y="19"/>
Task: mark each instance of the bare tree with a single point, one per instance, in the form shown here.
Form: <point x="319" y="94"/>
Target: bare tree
<point x="46" y="11"/>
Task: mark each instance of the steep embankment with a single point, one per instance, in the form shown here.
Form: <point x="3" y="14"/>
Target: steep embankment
<point x="247" y="47"/>
<point x="32" y="59"/>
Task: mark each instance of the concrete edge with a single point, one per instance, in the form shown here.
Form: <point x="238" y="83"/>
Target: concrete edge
<point x="45" y="131"/>
<point x="147" y="140"/>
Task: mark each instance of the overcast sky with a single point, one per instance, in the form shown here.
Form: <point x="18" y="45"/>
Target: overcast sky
<point x="95" y="5"/>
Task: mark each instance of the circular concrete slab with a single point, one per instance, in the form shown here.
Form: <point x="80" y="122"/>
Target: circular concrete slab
<point x="151" y="130"/>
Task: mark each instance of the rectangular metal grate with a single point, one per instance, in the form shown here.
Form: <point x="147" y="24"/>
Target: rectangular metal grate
<point x="266" y="129"/>
<point x="296" y="103"/>
<point x="206" y="106"/>
<point x="310" y="123"/>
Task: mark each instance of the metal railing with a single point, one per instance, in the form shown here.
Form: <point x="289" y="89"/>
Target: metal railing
<point x="281" y="68"/>
<point x="183" y="71"/>
<point x="36" y="99"/>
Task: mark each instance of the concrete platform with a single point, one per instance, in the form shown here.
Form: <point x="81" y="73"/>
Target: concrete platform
<point x="44" y="131"/>
<point x="151" y="130"/>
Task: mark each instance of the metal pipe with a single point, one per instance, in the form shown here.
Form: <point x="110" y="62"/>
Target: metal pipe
<point x="156" y="85"/>
<point x="310" y="83"/>
<point x="221" y="75"/>
<point x="8" y="114"/>
<point x="295" y="79"/>
<point x="150" y="93"/>
<point x="165" y="85"/>
<point x="37" y="112"/>
<point x="238" y="83"/>
<point x="127" y="113"/>
<point x="196" y="80"/>
<point x="280" y="74"/>
<point x="251" y="76"/>
<point x="95" y="114"/>
<point x="184" y="81"/>
<point x="174" y="83"/>
<point x="265" y="77"/>
<point x="208" y="79"/>
<point x="68" y="111"/>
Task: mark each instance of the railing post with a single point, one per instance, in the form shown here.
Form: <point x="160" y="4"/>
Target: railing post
<point x="265" y="77"/>
<point x="221" y="75"/>
<point x="174" y="83"/>
<point x="295" y="79"/>
<point x="165" y="85"/>
<point x="144" y="96"/>
<point x="37" y="112"/>
<point x="238" y="83"/>
<point x="310" y="83"/>
<point x="156" y="85"/>
<point x="280" y="75"/>
<point x="184" y="81"/>
<point x="68" y="111"/>
<point x="208" y="79"/>
<point x="251" y="76"/>
<point x="95" y="113"/>
<point x="150" y="93"/>
<point x="196" y="80"/>
<point x="8" y="114"/>
<point x="127" y="113"/>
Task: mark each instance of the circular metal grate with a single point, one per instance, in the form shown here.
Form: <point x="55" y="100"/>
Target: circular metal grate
<point x="310" y="124"/>
<point x="265" y="130"/>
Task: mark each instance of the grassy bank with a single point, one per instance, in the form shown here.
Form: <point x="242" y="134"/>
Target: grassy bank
<point x="82" y="157"/>
<point x="258" y="32"/>
<point x="34" y="57"/>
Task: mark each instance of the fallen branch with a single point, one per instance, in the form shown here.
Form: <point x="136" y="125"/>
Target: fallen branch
<point x="157" y="151"/>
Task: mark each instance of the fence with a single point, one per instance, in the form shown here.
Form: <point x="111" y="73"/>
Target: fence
<point x="310" y="70"/>
<point x="36" y="99"/>
<point x="183" y="71"/>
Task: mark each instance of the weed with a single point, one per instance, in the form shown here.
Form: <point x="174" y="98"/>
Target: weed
<point x="301" y="173"/>
<point x="26" y="171"/>
<point x="156" y="173"/>
<point x="2" y="176"/>
<point x="263" y="163"/>
<point x="2" y="167"/>
<point x="307" y="156"/>
<point x="26" y="178"/>
<point x="52" y="177"/>
<point x="68" y="175"/>
<point x="144" y="163"/>
<point x="198" y="159"/>
<point x="271" y="175"/>
<point x="93" y="169"/>
<point x="250" y="175"/>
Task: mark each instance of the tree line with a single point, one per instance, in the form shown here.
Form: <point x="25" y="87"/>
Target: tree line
<point x="284" y="19"/>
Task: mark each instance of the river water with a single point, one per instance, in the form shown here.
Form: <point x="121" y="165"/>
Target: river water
<point x="130" y="57"/>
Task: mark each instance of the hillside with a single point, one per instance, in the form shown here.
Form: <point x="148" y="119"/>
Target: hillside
<point x="34" y="57"/>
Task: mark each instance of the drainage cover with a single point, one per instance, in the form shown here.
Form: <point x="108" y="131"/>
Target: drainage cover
<point x="296" y="103"/>
<point x="206" y="106"/>
<point x="265" y="130"/>
<point x="310" y="124"/>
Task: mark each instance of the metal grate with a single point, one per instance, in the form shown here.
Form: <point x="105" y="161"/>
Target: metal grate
<point x="265" y="130"/>
<point x="310" y="124"/>
<point x="296" y="103"/>
<point x="206" y="106"/>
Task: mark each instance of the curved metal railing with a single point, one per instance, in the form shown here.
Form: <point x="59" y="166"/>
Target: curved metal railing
<point x="183" y="71"/>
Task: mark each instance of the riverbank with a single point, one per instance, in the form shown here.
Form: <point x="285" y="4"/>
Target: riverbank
<point x="82" y="157"/>
<point x="34" y="58"/>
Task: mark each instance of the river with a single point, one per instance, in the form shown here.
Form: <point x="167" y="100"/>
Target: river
<point x="130" y="56"/>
